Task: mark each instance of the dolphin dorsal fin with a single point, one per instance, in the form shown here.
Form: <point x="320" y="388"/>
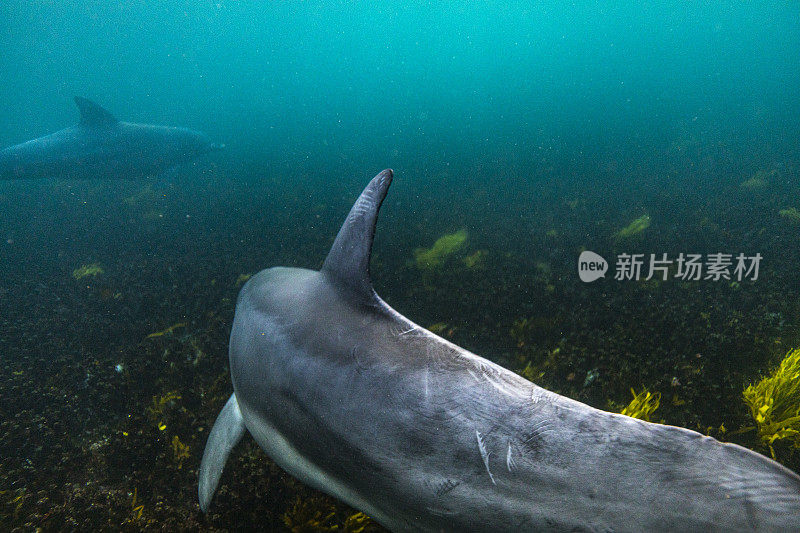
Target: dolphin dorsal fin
<point x="347" y="263"/>
<point x="94" y="115"/>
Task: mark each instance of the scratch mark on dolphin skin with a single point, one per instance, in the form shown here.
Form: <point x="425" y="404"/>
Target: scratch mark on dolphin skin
<point x="446" y="486"/>
<point x="360" y="366"/>
<point x="409" y="330"/>
<point x="443" y="358"/>
<point x="425" y="379"/>
<point x="533" y="437"/>
<point x="494" y="380"/>
<point x="393" y="329"/>
<point x="510" y="463"/>
<point x="536" y="430"/>
<point x="360" y="208"/>
<point x="484" y="455"/>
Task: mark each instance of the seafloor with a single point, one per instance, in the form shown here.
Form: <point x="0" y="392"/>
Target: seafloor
<point x="102" y="423"/>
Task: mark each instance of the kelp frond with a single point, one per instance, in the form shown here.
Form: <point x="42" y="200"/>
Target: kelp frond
<point x="774" y="403"/>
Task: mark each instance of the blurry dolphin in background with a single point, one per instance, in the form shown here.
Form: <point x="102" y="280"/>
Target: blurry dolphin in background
<point x="354" y="399"/>
<point x="100" y="146"/>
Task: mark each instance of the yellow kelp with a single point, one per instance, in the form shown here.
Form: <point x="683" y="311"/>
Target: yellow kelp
<point x="445" y="246"/>
<point x="93" y="269"/>
<point x="439" y="328"/>
<point x="634" y="228"/>
<point x="169" y="330"/>
<point x="158" y="406"/>
<point x="790" y="213"/>
<point x="319" y="514"/>
<point x="643" y="405"/>
<point x="774" y="402"/>
<point x="476" y="259"/>
<point x="180" y="451"/>
<point x="136" y="510"/>
<point x="759" y="180"/>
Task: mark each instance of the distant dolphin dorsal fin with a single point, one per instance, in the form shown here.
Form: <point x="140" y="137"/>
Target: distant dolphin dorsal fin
<point x="92" y="114"/>
<point x="347" y="263"/>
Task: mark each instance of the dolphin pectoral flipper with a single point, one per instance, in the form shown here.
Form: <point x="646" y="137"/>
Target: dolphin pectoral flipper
<point x="226" y="433"/>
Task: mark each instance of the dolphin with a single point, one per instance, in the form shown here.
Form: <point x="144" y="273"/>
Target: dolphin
<point x="100" y="146"/>
<point x="354" y="399"/>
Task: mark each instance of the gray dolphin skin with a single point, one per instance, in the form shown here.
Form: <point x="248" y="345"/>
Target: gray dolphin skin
<point x="100" y="146"/>
<point x="354" y="399"/>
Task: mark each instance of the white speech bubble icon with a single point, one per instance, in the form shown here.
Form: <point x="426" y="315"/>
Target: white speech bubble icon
<point x="591" y="266"/>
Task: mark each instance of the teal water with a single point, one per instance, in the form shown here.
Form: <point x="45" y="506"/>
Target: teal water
<point x="414" y="85"/>
<point x="540" y="128"/>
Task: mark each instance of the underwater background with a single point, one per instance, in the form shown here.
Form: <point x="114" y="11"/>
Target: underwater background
<point x="521" y="134"/>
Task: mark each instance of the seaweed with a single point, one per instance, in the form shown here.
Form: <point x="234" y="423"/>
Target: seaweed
<point x="93" y="269"/>
<point x="636" y="227"/>
<point x="158" y="406"/>
<point x="136" y="510"/>
<point x="476" y="259"/>
<point x="242" y="279"/>
<point x="774" y="403"/>
<point x="643" y="405"/>
<point x="792" y="214"/>
<point x="180" y="451"/>
<point x="759" y="180"/>
<point x="12" y="499"/>
<point x="320" y="515"/>
<point x="434" y="257"/>
<point x="167" y="331"/>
